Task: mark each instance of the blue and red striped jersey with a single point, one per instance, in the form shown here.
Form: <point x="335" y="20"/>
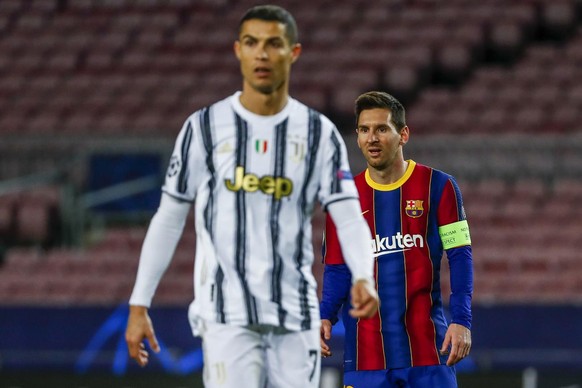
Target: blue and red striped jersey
<point x="412" y="222"/>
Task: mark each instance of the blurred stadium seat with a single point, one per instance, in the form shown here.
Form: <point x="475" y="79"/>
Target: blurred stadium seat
<point x="493" y="92"/>
<point x="116" y="39"/>
<point x="76" y="75"/>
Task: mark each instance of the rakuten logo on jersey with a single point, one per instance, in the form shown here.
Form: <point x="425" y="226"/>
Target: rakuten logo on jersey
<point x="397" y="243"/>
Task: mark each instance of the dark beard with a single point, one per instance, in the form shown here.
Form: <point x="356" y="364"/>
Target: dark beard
<point x="268" y="89"/>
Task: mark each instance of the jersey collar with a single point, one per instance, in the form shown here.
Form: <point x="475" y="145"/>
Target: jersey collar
<point x="391" y="186"/>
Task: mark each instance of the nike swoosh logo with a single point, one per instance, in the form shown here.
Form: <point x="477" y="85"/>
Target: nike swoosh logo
<point x="364" y="212"/>
<point x="390" y="252"/>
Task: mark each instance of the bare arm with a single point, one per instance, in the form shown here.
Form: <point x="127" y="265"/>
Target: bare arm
<point x="139" y="328"/>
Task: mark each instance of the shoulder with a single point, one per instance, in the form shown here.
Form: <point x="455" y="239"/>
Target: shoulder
<point x="361" y="183"/>
<point x="435" y="172"/>
<point x="361" y="177"/>
<point x="210" y="112"/>
<point x="313" y="113"/>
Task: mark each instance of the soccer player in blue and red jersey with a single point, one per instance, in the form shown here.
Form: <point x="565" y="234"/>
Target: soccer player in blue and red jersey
<point x="415" y="213"/>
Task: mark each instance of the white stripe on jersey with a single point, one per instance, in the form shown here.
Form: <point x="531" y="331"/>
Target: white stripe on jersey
<point x="255" y="180"/>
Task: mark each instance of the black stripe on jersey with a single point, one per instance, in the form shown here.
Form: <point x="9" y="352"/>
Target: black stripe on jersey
<point x="182" y="183"/>
<point x="179" y="199"/>
<point x="241" y="222"/>
<point x="314" y="133"/>
<point x="206" y="129"/>
<point x="280" y="154"/>
<point x="335" y="185"/>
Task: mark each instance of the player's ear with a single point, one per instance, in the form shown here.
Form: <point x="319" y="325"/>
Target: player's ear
<point x="236" y="48"/>
<point x="295" y="52"/>
<point x="404" y="135"/>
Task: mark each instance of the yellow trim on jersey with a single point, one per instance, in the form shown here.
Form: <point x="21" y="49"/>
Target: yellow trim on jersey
<point x="455" y="235"/>
<point x="391" y="186"/>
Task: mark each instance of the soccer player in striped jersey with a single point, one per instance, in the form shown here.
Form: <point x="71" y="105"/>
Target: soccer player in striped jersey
<point x="254" y="165"/>
<point x="415" y="213"/>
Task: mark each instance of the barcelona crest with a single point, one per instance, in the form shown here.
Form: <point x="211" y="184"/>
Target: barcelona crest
<point x="414" y="208"/>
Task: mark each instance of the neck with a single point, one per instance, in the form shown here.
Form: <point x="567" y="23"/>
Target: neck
<point x="390" y="174"/>
<point x="264" y="104"/>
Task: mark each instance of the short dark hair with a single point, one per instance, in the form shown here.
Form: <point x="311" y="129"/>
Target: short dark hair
<point x="382" y="100"/>
<point x="273" y="13"/>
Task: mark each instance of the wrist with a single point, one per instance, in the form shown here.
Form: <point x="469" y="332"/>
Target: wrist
<point x="369" y="285"/>
<point x="138" y="310"/>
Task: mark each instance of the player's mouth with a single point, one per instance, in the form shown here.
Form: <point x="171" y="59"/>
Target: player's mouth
<point x="374" y="152"/>
<point x="262" y="72"/>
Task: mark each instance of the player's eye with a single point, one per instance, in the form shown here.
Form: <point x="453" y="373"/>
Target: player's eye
<point x="276" y="44"/>
<point x="249" y="42"/>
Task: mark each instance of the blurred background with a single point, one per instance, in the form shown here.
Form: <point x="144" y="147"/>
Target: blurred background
<point x="94" y="92"/>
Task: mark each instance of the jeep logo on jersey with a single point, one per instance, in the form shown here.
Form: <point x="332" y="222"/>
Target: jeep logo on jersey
<point x="397" y="243"/>
<point x="278" y="187"/>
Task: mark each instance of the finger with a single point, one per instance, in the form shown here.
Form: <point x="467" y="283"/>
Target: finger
<point x="133" y="347"/>
<point x="132" y="350"/>
<point x="325" y="352"/>
<point x="153" y="342"/>
<point x="356" y="313"/>
<point x="366" y="308"/>
<point x="455" y="349"/>
<point x="359" y="295"/>
<point x="371" y="307"/>
<point x="446" y="344"/>
<point x="323" y="345"/>
<point x="455" y="355"/>
<point x="466" y="350"/>
<point x="356" y="298"/>
<point x="139" y="354"/>
<point x="452" y="360"/>
<point x="365" y="311"/>
<point x="326" y="332"/>
<point x="143" y="358"/>
<point x="462" y="351"/>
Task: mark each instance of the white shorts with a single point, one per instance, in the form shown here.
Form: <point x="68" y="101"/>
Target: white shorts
<point x="236" y="357"/>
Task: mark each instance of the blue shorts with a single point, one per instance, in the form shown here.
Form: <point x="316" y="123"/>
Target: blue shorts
<point x="441" y="376"/>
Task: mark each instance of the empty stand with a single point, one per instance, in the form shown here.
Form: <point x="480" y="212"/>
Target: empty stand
<point x="525" y="237"/>
<point x="493" y="88"/>
<point x="98" y="40"/>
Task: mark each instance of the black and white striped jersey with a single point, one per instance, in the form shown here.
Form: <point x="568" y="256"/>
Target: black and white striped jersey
<point x="254" y="181"/>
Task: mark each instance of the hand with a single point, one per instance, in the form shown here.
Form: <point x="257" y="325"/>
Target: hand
<point x="458" y="338"/>
<point x="364" y="299"/>
<point x="139" y="327"/>
<point x="325" y="336"/>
